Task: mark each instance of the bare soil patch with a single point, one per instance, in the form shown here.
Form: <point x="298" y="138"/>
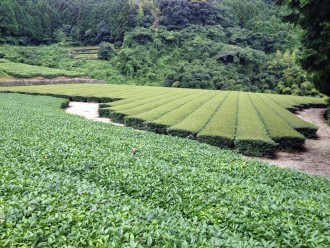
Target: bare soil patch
<point x="315" y="155"/>
<point x="89" y="111"/>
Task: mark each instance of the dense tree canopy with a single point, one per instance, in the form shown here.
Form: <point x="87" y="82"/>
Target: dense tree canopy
<point x="213" y="44"/>
<point x="314" y="17"/>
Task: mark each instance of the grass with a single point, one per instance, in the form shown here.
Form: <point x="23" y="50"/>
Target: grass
<point x="253" y="123"/>
<point x="4" y="75"/>
<point x="69" y="182"/>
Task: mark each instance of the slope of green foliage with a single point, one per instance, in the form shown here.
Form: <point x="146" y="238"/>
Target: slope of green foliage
<point x="209" y="44"/>
<point x="19" y="70"/>
<point x="70" y="182"/>
<point x="241" y="120"/>
<point x="314" y="17"/>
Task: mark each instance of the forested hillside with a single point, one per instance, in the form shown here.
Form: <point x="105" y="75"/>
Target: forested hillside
<point x="213" y="44"/>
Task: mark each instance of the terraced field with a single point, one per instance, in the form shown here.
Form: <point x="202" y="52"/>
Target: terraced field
<point x="19" y="70"/>
<point x="254" y="124"/>
<point x="85" y="53"/>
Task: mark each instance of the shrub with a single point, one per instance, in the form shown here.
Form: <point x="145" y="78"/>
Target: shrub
<point x="220" y="130"/>
<point x="106" y="51"/>
<point x="251" y="136"/>
<point x="197" y="120"/>
<point x="279" y="130"/>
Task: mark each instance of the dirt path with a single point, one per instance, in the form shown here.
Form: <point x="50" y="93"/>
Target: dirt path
<point x="89" y="111"/>
<point x="315" y="158"/>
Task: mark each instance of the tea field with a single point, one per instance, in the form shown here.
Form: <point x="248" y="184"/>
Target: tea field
<point x="254" y="124"/>
<point x="19" y="70"/>
<point x="69" y="182"/>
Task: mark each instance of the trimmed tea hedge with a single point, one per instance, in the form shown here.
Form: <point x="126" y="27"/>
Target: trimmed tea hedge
<point x="279" y="130"/>
<point x="178" y="114"/>
<point x="220" y="131"/>
<point x="160" y="111"/>
<point x="205" y="115"/>
<point x="197" y="120"/>
<point x="251" y="136"/>
<point x="307" y="129"/>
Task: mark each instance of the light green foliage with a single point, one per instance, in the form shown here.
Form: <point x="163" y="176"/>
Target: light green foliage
<point x="293" y="80"/>
<point x="145" y="106"/>
<point x="279" y="130"/>
<point x="251" y="135"/>
<point x="157" y="112"/>
<point x="139" y="102"/>
<point x="221" y="128"/>
<point x="3" y="74"/>
<point x="197" y="120"/>
<point x="307" y="129"/>
<point x="284" y="101"/>
<point x="178" y="114"/>
<point x="118" y="113"/>
<point x="69" y="182"/>
<point x="29" y="71"/>
<point x="208" y="116"/>
<point x="87" y="52"/>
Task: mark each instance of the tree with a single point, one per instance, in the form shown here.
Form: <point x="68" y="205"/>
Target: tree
<point x="8" y="22"/>
<point x="178" y="14"/>
<point x="106" y="51"/>
<point x="314" y="18"/>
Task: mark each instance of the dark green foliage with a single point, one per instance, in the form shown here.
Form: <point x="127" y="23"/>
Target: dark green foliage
<point x="219" y="141"/>
<point x="106" y="51"/>
<point x="327" y="112"/>
<point x="255" y="147"/>
<point x="178" y="14"/>
<point x="207" y="44"/>
<point x="45" y="21"/>
<point x="314" y="18"/>
<point x="134" y="122"/>
<point x="155" y="127"/>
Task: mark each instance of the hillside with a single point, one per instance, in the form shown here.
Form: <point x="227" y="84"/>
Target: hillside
<point x="193" y="95"/>
<point x="213" y="44"/>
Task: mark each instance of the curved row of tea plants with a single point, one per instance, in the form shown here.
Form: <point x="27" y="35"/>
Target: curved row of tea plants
<point x="255" y="124"/>
<point x="19" y="70"/>
<point x="69" y="182"/>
